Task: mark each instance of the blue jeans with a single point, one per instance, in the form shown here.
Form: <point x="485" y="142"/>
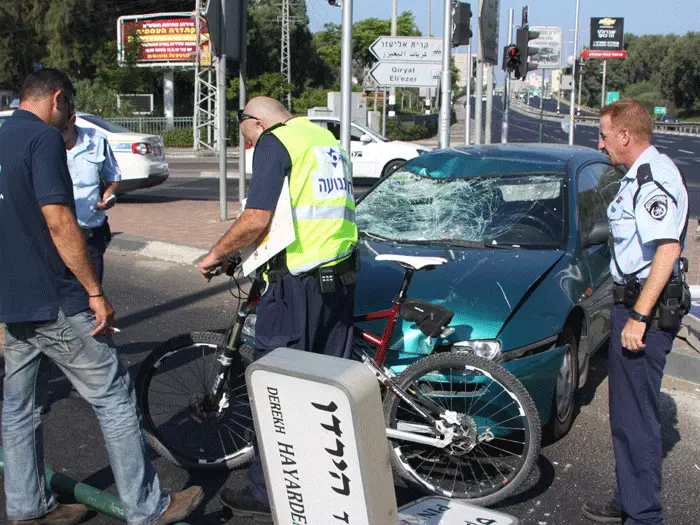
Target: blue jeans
<point x="91" y="365"/>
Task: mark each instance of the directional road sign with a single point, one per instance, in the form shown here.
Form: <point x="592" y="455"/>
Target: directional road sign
<point x="548" y="46"/>
<point x="407" y="49"/>
<point x="660" y="110"/>
<point x="404" y="74"/>
<point x="612" y="96"/>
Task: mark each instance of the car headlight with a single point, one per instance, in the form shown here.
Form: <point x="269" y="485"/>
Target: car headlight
<point x="486" y="348"/>
<point x="249" y="326"/>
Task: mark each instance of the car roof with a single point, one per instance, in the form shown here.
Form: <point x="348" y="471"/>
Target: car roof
<point x="494" y="159"/>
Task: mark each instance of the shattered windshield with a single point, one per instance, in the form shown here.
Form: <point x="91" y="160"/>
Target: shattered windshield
<point x="520" y="210"/>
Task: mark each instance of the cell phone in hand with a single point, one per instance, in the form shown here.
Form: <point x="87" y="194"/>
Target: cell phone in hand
<point x="111" y="199"/>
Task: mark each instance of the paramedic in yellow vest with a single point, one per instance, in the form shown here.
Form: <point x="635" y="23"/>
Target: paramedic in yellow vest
<point x="309" y="300"/>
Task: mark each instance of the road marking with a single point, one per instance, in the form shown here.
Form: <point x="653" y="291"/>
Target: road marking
<point x="686" y="151"/>
<point x="662" y="147"/>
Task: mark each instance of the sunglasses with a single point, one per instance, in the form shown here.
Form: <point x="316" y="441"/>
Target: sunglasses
<point x="242" y="117"/>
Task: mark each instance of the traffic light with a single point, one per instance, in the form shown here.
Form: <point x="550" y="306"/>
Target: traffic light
<point x="461" y="23"/>
<point x="511" y="58"/>
<point x="522" y="38"/>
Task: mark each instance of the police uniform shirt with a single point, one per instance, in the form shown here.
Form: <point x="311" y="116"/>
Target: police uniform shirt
<point x="90" y="160"/>
<point x="637" y="226"/>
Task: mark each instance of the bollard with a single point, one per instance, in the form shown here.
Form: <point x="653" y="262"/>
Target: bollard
<point x="89" y="496"/>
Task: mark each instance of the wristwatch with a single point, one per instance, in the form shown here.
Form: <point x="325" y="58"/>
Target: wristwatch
<point x="634" y="314"/>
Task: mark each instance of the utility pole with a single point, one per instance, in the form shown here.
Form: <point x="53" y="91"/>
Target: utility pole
<point x="242" y="99"/>
<point x="285" y="66"/>
<point x="427" y="29"/>
<point x="580" y="83"/>
<point x="446" y="82"/>
<point x="506" y="86"/>
<point x="541" y="106"/>
<point x="489" y="104"/>
<point x="478" y="109"/>
<point x="204" y="89"/>
<point x="573" y="79"/>
<point x="602" y="89"/>
<point x="468" y="104"/>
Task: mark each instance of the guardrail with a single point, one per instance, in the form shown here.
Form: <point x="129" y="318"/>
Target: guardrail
<point x="692" y="128"/>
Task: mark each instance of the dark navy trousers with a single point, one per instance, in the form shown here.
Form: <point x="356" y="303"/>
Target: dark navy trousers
<point x="635" y="420"/>
<point x="293" y="314"/>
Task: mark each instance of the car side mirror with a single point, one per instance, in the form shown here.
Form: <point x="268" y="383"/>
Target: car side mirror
<point x="598" y="234"/>
<point x="365" y="139"/>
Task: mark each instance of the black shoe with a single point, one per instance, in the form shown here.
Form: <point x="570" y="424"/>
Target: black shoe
<point x="243" y="504"/>
<point x="602" y="512"/>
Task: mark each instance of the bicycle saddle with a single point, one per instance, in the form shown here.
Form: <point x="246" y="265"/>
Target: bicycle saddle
<point x="412" y="261"/>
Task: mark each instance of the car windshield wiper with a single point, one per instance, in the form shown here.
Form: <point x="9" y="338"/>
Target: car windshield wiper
<point x="363" y="233"/>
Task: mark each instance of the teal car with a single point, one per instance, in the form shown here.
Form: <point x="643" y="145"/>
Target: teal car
<point x="528" y="275"/>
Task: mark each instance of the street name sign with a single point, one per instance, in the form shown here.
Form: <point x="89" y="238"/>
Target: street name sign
<point x="407" y="49"/>
<point x="548" y="46"/>
<point x="612" y="96"/>
<point x="404" y="74"/>
<point x="437" y="510"/>
<point x="488" y="31"/>
<point x="320" y="428"/>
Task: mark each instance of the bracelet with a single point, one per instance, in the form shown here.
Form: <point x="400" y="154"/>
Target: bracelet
<point x="634" y="314"/>
<point x="101" y="294"/>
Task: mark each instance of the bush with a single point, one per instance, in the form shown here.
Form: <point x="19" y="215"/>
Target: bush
<point x="178" y="138"/>
<point x="396" y="130"/>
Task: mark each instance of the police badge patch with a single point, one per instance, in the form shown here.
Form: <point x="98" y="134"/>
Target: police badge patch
<point x="657" y="207"/>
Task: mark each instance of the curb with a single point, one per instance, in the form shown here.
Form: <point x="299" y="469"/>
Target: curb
<point x="164" y="251"/>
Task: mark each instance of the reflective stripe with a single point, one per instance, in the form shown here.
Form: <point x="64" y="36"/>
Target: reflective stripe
<point x="315" y="264"/>
<point x="301" y="213"/>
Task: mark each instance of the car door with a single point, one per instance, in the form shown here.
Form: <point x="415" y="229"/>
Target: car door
<point x="597" y="184"/>
<point x="360" y="166"/>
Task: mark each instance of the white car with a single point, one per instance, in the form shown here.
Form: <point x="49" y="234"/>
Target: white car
<point x="372" y="155"/>
<point x="140" y="157"/>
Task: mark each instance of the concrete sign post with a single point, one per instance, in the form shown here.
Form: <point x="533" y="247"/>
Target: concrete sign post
<point x="322" y="438"/>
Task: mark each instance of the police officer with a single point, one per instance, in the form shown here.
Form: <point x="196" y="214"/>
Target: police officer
<point x="92" y="166"/>
<point x="648" y="221"/>
<point x="309" y="300"/>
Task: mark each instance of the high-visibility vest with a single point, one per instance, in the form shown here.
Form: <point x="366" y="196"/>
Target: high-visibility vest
<point x="321" y="191"/>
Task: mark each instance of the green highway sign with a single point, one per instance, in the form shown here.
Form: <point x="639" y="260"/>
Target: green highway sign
<point x="612" y="96"/>
<point x="660" y="110"/>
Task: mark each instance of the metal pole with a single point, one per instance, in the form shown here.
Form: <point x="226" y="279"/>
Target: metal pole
<point x="541" y="106"/>
<point x="221" y="101"/>
<point x="506" y="87"/>
<point x="427" y="29"/>
<point x="478" y="109"/>
<point x="489" y="103"/>
<point x="573" y="79"/>
<point x="392" y="92"/>
<point x="602" y="88"/>
<point x="446" y="83"/>
<point x="100" y="501"/>
<point x="468" y="104"/>
<point x="346" y="78"/>
<point x="242" y="100"/>
<point x="384" y="104"/>
<point x="580" y="83"/>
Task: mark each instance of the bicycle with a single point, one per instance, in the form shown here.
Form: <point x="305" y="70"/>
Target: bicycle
<point x="458" y="425"/>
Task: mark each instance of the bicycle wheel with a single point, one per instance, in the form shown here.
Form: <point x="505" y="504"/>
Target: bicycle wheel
<point x="491" y="426"/>
<point x="180" y="421"/>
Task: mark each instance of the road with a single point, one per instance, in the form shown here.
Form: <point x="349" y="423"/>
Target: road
<point x="156" y="300"/>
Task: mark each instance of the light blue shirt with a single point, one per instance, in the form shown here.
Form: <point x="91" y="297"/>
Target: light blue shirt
<point x="90" y="160"/>
<point x="636" y="228"/>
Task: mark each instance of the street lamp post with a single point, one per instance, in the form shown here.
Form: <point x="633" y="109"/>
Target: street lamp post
<point x="573" y="79"/>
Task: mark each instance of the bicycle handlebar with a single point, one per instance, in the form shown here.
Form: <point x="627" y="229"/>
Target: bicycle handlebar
<point x="234" y="261"/>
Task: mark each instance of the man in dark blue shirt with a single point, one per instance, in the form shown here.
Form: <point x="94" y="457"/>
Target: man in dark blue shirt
<point x="53" y="307"/>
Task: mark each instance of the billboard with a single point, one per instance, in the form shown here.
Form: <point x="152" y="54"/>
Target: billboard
<point x="548" y="46"/>
<point x="607" y="34"/>
<point x="163" y="39"/>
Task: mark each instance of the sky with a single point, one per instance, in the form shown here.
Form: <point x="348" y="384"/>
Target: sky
<point x="640" y="16"/>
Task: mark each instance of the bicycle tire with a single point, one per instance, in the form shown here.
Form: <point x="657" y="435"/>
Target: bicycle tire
<point x="421" y="465"/>
<point x="177" y="375"/>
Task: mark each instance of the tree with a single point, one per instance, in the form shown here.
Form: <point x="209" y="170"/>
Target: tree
<point x="681" y="66"/>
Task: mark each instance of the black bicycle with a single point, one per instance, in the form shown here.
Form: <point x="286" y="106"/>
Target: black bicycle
<point x="458" y="425"/>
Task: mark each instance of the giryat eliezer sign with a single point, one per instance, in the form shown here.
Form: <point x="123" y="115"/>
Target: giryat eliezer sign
<point x="320" y="430"/>
<point x="405" y="74"/>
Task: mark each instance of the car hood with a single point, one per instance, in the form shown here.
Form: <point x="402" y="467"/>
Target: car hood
<point x="482" y="286"/>
<point x="411" y="145"/>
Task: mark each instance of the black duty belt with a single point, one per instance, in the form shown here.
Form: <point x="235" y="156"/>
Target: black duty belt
<point x="346" y="269"/>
